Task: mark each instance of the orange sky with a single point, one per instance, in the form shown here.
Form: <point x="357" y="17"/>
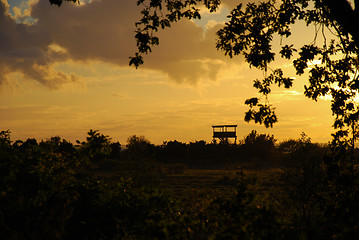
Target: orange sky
<point x="65" y="71"/>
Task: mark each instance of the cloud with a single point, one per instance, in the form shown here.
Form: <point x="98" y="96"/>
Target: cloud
<point x="22" y="12"/>
<point x="190" y="58"/>
<point x="24" y="49"/>
<point x="99" y="31"/>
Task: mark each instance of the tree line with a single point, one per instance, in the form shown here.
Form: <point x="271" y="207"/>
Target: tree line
<point x="94" y="189"/>
<point x="99" y="149"/>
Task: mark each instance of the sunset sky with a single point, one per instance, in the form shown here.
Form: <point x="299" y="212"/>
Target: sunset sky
<point x="65" y="70"/>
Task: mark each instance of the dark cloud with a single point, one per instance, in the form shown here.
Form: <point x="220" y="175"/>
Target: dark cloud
<point x="102" y="30"/>
<point x="25" y="49"/>
<point x="188" y="54"/>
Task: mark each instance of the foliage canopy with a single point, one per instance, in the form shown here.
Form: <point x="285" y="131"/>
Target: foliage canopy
<point x="53" y="189"/>
<point x="250" y="31"/>
<point x="331" y="64"/>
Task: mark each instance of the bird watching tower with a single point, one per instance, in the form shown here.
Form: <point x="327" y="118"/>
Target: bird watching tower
<point x="224" y="132"/>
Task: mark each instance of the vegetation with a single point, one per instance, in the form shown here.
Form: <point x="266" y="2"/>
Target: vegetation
<point x="95" y="190"/>
<point x="250" y="31"/>
<point x="54" y="189"/>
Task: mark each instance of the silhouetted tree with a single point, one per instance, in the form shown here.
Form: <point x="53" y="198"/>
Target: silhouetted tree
<point x="115" y="149"/>
<point x="5" y="140"/>
<point x="174" y="151"/>
<point x="139" y="147"/>
<point x="318" y="195"/>
<point x="250" y="31"/>
<point x="97" y="145"/>
<point x="259" y="146"/>
<point x="196" y="151"/>
<point x="139" y="160"/>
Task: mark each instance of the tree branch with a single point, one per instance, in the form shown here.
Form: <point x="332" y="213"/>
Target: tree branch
<point x="342" y="12"/>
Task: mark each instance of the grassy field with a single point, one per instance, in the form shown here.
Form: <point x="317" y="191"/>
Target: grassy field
<point x="194" y="183"/>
